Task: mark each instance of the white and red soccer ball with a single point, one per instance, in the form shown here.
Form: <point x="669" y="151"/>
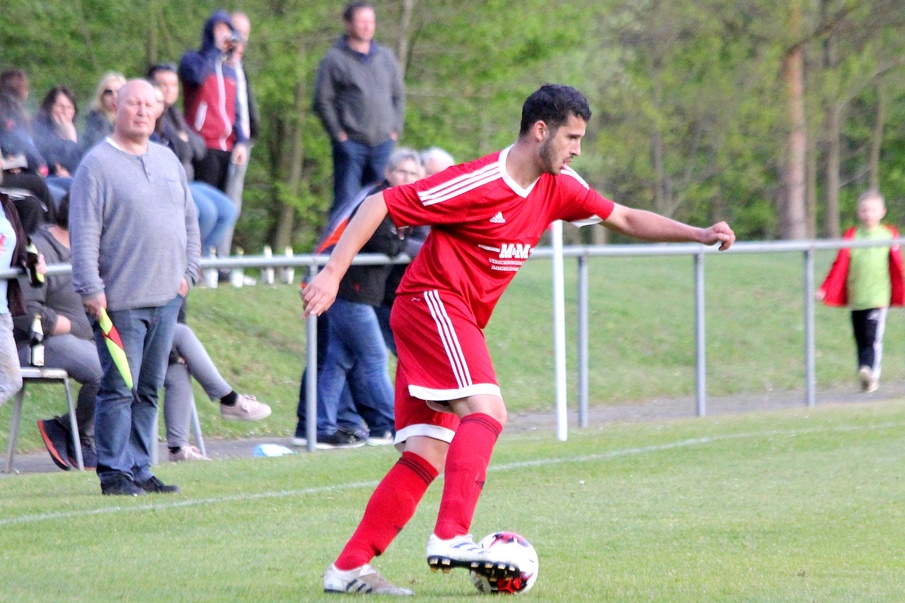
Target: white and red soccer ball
<point x="520" y="551"/>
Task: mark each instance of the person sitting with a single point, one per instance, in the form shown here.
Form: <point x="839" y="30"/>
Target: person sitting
<point x="22" y="164"/>
<point x="68" y="343"/>
<point x="188" y="359"/>
<point x="56" y="137"/>
<point x="99" y="120"/>
<point x="216" y="211"/>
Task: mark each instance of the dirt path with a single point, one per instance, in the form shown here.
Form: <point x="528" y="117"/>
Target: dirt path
<point x="657" y="409"/>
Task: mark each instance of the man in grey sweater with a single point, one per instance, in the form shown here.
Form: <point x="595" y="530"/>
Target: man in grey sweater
<point x="135" y="252"/>
<point x="360" y="99"/>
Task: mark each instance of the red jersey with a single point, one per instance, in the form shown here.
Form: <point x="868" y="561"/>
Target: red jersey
<point x="484" y="226"/>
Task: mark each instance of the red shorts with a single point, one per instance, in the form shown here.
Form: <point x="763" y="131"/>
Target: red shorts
<point x="442" y="356"/>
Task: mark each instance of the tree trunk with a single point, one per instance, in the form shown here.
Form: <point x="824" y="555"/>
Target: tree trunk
<point x="792" y="215"/>
<point x="405" y="35"/>
<point x="811" y="189"/>
<point x="286" y="220"/>
<point x="831" y="225"/>
<point x="876" y="138"/>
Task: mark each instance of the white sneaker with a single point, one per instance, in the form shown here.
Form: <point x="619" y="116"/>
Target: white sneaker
<point x="300" y="442"/>
<point x="246" y="408"/>
<point x="461" y="551"/>
<point x="187" y="453"/>
<point x="386" y="439"/>
<point x="364" y="580"/>
<point x="866" y="376"/>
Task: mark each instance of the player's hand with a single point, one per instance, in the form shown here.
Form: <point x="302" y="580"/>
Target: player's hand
<point x="820" y="295"/>
<point x="719" y="233"/>
<point x="319" y="294"/>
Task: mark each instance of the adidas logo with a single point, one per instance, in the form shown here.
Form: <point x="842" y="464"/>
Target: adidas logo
<point x="498" y="218"/>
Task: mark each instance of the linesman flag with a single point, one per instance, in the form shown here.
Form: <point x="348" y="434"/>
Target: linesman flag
<point x="115" y="347"/>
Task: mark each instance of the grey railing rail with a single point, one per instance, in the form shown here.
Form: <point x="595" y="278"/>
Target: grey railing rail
<point x="583" y="255"/>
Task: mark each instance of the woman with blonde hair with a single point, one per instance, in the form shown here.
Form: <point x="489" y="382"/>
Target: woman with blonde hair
<point x="99" y="121"/>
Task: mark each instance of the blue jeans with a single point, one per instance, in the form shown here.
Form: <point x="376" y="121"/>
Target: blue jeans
<point x="357" y="356"/>
<point x="356" y="165"/>
<point x="216" y="215"/>
<point x="347" y="417"/>
<point x="125" y="419"/>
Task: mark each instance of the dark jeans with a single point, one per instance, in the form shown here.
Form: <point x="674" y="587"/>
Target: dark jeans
<point x="124" y="418"/>
<point x="356" y="165"/>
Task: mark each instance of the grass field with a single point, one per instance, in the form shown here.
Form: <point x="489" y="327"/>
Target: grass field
<point x="784" y="506"/>
<point x="641" y="338"/>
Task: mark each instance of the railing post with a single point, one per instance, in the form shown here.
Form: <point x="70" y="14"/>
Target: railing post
<point x="810" y="385"/>
<point x="700" y="337"/>
<point x="311" y="382"/>
<point x="583" y="340"/>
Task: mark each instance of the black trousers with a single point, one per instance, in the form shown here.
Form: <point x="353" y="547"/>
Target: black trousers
<point x="868" y="327"/>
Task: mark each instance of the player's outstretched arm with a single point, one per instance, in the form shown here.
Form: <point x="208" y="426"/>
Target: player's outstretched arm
<point x="320" y="293"/>
<point x="649" y="226"/>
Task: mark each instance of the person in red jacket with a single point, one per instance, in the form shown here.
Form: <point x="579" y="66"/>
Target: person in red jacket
<point x="868" y="280"/>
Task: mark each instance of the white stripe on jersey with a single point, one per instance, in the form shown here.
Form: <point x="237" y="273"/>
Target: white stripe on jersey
<point x="449" y="338"/>
<point x="570" y="172"/>
<point x="460" y="184"/>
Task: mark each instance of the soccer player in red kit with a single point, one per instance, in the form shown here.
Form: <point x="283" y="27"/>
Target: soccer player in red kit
<point x="485" y="218"/>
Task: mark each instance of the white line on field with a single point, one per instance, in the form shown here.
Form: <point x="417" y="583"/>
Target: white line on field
<point x="25" y="519"/>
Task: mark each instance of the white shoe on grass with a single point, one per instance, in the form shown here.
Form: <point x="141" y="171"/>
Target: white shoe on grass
<point x="461" y="551"/>
<point x="364" y="580"/>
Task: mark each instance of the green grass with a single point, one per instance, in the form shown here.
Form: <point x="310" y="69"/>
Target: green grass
<point x="785" y="506"/>
<point x="641" y="338"/>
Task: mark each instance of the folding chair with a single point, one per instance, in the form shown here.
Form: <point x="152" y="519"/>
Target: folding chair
<point x="41" y="375"/>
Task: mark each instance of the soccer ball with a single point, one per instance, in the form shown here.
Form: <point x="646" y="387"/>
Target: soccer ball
<point x="520" y="551"/>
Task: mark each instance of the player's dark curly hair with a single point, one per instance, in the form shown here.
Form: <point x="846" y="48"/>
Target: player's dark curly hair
<point x="553" y="104"/>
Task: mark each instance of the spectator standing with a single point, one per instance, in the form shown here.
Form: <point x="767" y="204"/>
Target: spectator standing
<point x="356" y="352"/>
<point x="68" y="343"/>
<point x="488" y="214"/>
<point x="360" y="99"/>
<point x="100" y="117"/>
<point x="135" y="253"/>
<point x="209" y="89"/>
<point x="868" y="280"/>
<point x="216" y="212"/>
<point x="249" y="121"/>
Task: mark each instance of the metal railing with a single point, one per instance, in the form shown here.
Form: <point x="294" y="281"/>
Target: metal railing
<point x="583" y="255"/>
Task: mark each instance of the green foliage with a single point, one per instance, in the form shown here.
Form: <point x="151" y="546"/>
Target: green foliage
<point x="689" y="115"/>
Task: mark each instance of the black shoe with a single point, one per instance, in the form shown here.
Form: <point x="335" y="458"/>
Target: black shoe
<point x="56" y="438"/>
<point x="340" y="439"/>
<point x="121" y="485"/>
<point x="89" y="455"/>
<point x="155" y="486"/>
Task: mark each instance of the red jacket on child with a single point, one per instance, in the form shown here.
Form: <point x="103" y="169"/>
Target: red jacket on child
<point x="835" y="286"/>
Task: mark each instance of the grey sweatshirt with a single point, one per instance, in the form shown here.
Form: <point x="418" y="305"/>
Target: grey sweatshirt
<point x="361" y="95"/>
<point x="133" y="227"/>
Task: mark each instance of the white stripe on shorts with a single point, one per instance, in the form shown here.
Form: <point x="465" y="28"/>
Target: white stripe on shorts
<point x="449" y="339"/>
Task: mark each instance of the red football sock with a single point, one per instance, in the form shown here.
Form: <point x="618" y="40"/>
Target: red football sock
<point x="466" y="468"/>
<point x="390" y="508"/>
